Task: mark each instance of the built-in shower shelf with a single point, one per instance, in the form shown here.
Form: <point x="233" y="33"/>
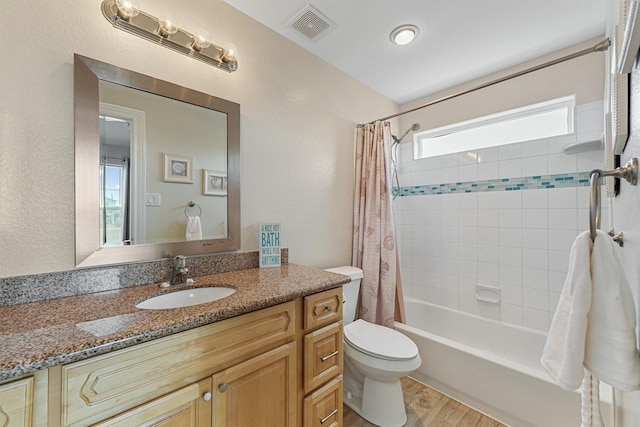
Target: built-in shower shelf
<point x="486" y="293"/>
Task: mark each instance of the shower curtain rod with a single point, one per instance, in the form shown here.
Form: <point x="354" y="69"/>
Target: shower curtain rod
<point x="599" y="47"/>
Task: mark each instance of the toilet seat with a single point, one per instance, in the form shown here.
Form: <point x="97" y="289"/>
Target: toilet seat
<point x="379" y="341"/>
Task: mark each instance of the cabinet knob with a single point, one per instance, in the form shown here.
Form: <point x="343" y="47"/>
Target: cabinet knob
<point x="327" y="308"/>
<point x="222" y="388"/>
<point x="206" y="397"/>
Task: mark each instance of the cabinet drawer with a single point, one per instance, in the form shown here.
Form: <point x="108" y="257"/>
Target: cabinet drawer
<point x="324" y="407"/>
<point x="322" y="308"/>
<point x="16" y="400"/>
<point x="322" y="356"/>
<point x="97" y="388"/>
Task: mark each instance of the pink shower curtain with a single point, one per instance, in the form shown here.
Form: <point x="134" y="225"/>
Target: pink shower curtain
<point x="374" y="240"/>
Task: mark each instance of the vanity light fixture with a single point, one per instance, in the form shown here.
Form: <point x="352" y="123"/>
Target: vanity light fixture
<point x="404" y="34"/>
<point x="125" y="15"/>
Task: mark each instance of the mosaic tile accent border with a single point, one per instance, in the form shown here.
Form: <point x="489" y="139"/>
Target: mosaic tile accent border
<point x="562" y="180"/>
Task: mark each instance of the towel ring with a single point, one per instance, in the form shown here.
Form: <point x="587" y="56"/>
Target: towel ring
<point x="191" y="205"/>
<point x="628" y="172"/>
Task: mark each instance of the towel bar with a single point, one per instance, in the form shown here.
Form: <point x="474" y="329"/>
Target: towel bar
<point x="628" y="172"/>
<point x="192" y="205"/>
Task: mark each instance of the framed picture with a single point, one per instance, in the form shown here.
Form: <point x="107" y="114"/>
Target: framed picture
<point x="178" y="168"/>
<point x="214" y="183"/>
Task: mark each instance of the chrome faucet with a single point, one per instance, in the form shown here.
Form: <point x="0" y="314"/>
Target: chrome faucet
<point x="180" y="270"/>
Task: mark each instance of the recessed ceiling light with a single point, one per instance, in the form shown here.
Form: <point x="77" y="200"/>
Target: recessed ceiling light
<point x="404" y="34"/>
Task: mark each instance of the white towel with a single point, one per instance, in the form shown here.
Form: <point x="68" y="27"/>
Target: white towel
<point x="194" y="228"/>
<point x="591" y="416"/>
<point x="594" y="324"/>
<point x="563" y="353"/>
<point x="611" y="349"/>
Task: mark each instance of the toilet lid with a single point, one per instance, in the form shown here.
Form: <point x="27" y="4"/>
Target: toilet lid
<point x="379" y="341"/>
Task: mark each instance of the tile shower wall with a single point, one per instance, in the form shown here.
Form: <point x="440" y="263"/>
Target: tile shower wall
<point x="502" y="216"/>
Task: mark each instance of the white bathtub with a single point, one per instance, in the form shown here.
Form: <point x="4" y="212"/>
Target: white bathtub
<point x="492" y="367"/>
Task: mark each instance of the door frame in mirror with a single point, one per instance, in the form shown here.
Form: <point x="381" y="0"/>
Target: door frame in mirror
<point x="87" y="74"/>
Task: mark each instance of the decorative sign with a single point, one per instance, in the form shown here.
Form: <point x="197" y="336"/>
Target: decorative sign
<point x="269" y="244"/>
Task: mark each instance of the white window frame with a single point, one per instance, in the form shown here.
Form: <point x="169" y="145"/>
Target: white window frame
<point x="427" y="139"/>
<point x="138" y="157"/>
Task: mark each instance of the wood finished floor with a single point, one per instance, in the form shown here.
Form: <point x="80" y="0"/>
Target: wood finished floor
<point x="427" y="407"/>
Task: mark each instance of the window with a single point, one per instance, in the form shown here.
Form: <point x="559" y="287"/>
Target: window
<point x="543" y="120"/>
<point x="112" y="203"/>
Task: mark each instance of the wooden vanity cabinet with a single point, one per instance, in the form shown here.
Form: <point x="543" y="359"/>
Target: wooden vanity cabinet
<point x="165" y="373"/>
<point x="278" y="366"/>
<point x="16" y="403"/>
<point x="323" y="359"/>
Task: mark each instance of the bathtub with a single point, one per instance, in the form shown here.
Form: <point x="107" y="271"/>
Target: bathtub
<point x="492" y="367"/>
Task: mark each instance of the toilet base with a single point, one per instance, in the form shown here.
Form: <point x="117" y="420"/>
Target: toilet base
<point x="380" y="403"/>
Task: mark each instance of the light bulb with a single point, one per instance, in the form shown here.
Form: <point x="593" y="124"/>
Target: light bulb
<point x="168" y="25"/>
<point x="229" y="56"/>
<point x="127" y="9"/>
<point x="230" y="53"/>
<point x="201" y="40"/>
<point x="404" y="37"/>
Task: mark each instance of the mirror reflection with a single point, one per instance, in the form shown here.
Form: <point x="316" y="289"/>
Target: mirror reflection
<point x="142" y="199"/>
<point x="157" y="167"/>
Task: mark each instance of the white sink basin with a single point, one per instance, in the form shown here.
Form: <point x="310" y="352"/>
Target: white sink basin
<point x="185" y="298"/>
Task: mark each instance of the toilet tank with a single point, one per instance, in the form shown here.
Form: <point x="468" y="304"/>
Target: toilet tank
<point x="350" y="291"/>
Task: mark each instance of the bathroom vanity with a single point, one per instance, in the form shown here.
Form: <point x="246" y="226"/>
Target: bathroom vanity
<point x="271" y="351"/>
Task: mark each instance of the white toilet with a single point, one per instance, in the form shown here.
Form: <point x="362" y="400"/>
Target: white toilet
<point x="375" y="359"/>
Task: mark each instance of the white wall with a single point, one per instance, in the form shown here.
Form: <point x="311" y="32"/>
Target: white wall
<point x="297" y="126"/>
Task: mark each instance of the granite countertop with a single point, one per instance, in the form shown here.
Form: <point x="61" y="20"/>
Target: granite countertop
<point x="39" y="335"/>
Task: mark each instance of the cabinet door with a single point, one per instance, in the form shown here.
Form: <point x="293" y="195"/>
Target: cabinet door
<point x="189" y="406"/>
<point x="258" y="392"/>
<point x="16" y="403"/>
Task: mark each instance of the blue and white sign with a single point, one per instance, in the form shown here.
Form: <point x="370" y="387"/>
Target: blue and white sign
<point x="269" y="244"/>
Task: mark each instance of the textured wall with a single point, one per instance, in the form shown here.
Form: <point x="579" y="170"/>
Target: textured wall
<point x="297" y="126"/>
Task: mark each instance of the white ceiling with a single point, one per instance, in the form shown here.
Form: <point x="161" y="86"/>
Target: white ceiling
<point x="459" y="40"/>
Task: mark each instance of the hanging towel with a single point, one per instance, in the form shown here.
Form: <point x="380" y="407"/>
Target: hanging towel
<point x="591" y="416"/>
<point x="611" y="349"/>
<point x="594" y="324"/>
<point x="194" y="228"/>
<point x="563" y="353"/>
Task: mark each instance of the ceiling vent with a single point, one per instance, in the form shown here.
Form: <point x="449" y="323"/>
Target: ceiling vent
<point x="312" y="23"/>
